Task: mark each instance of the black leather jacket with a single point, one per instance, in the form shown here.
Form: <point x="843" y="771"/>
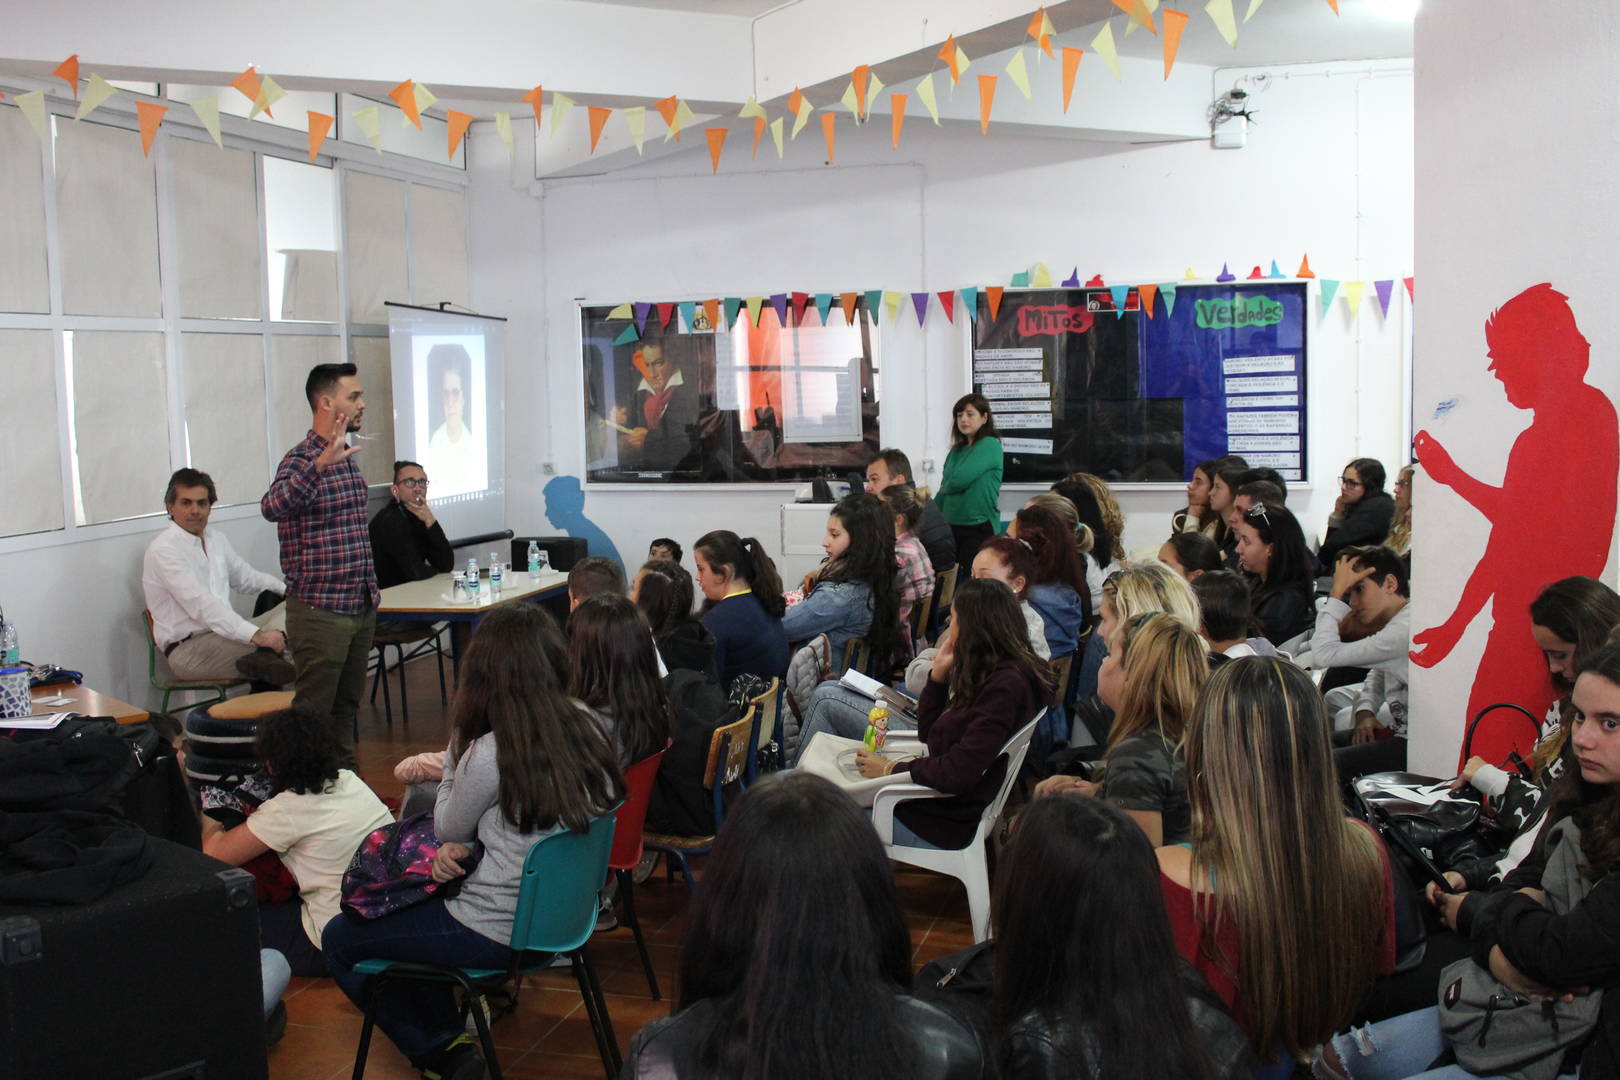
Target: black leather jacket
<point x="1035" y="1050"/>
<point x="947" y="1048"/>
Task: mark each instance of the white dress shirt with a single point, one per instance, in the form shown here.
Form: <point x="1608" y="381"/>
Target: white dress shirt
<point x="188" y="581"/>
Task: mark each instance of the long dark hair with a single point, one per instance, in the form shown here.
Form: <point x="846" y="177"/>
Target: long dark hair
<point x="1595" y="807"/>
<point x="1291" y="564"/>
<point x="1580" y="610"/>
<point x="990" y="629"/>
<point x="870" y="559"/>
<point x="555" y="762"/>
<point x="664" y="595"/>
<point x="1195" y="551"/>
<point x="748" y="561"/>
<point x="613" y="667"/>
<point x="796" y="931"/>
<point x="1055" y="556"/>
<point x="988" y="431"/>
<point x="1084" y="943"/>
<point x="1091" y="516"/>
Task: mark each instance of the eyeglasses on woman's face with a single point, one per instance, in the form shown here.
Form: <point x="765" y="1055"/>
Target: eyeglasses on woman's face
<point x="1350" y="482"/>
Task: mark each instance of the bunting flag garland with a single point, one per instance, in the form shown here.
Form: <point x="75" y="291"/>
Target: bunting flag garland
<point x="1275" y="273"/>
<point x="628" y="336"/>
<point x="96" y="94"/>
<point x="711" y="308"/>
<point x="1096" y="282"/>
<point x="688" y="309"/>
<point x="1071" y="67"/>
<point x="623" y="311"/>
<point x="1329" y="288"/>
<point x="404" y="96"/>
<point x="779" y="301"/>
<point x="270" y="92"/>
<point x="801" y="116"/>
<point x="891" y="305"/>
<point x="1041" y="29"/>
<point x="664" y="313"/>
<point x="874" y="301"/>
<point x="1019" y="280"/>
<point x="1254" y="6"/>
<point x="992" y="294"/>
<point x="32" y="105"/>
<point x="925" y="94"/>
<point x="1120" y="293"/>
<point x="897" y="112"/>
<point x="797" y="302"/>
<point x="1145" y="295"/>
<point x="1018" y="72"/>
<point x="425" y="99"/>
<point x="1073" y="280"/>
<point x="829" y="131"/>
<point x="1255" y="274"/>
<point x="561" y="106"/>
<point x="641" y="312"/>
<point x="207" y="110"/>
<point x="503" y="128"/>
<point x="948" y="52"/>
<point x="1190" y="276"/>
<point x="759" y="131"/>
<point x="150" y="117"/>
<point x="848" y="101"/>
<point x="1140" y="15"/>
<point x="1041" y="276"/>
<point x="1408" y="283"/>
<point x="947" y="302"/>
<point x="1352" y="297"/>
<point x="754" y="303"/>
<point x="970" y="300"/>
<point x="1167" y="289"/>
<point x="987" y="96"/>
<point x="858" y="80"/>
<point x="1220" y="13"/>
<point x="369" y="121"/>
<point x="776" y="134"/>
<point x="597" y="118"/>
<point x="824" y="305"/>
<point x="752" y="108"/>
<point x="1304" y="270"/>
<point x="1103" y="45"/>
<point x="684" y="117"/>
<point x="717" y="140"/>
<point x="847" y="301"/>
<point x="68" y="72"/>
<point x="319" y="125"/>
<point x="795" y="101"/>
<point x="1384" y="289"/>
<point x="534" y="98"/>
<point x="919" y="300"/>
<point x="666" y="109"/>
<point x="1174" y="23"/>
<point x="247" y="84"/>
<point x="459" y="122"/>
<point x="1225" y="275"/>
<point x="1334" y="4"/>
<point x="635" y="121"/>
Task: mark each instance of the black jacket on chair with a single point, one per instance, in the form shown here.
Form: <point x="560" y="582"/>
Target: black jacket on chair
<point x="947" y="1048"/>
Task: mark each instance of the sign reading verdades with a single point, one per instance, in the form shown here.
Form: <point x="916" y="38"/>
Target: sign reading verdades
<point x="1235" y="314"/>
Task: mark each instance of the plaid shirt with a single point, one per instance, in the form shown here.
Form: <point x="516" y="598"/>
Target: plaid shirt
<point x="915" y="576"/>
<point x="321" y="523"/>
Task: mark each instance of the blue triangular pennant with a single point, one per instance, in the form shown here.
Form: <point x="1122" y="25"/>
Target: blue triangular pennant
<point x="874" y="304"/>
<point x="970" y="299"/>
<point x="629" y="335"/>
<point x="688" y="309"/>
<point x="823" y="305"/>
<point x="1330" y="289"/>
<point x="1119" y="293"/>
<point x="1167" y="289"/>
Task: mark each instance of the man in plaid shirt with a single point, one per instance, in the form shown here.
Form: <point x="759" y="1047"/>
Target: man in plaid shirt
<point x="318" y="502"/>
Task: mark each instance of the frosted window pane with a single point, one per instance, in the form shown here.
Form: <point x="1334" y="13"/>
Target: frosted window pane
<point x="223" y="377"/>
<point x="106" y="208"/>
<point x="24" y="285"/>
<point x="375" y="242"/>
<point x="31" y="483"/>
<point x="439" y="245"/>
<point x="120" y="423"/>
<point x="216" y="219"/>
<point x="291" y="357"/>
<point x="371" y="357"/>
<point x="300" y="224"/>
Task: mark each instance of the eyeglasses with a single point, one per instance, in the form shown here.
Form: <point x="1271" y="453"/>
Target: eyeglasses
<point x="412" y="482"/>
<point x="1350" y="482"/>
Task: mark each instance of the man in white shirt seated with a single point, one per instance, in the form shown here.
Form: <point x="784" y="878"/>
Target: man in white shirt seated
<point x="1373" y="583"/>
<point x="188" y="574"/>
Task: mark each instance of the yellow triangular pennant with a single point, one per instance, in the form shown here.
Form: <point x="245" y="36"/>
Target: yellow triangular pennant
<point x="95" y="94"/>
<point x="751" y="108"/>
<point x="1018" y="72"/>
<point x="776" y="134"/>
<point x="424" y="98"/>
<point x="1221" y="14"/>
<point x="503" y="128"/>
<point x="805" y="109"/>
<point x="925" y="91"/>
<point x="1352" y="296"/>
<point x="270" y="92"/>
<point x="1103" y="45"/>
<point x="32" y="105"/>
<point x="369" y="121"/>
<point x="561" y="106"/>
<point x="207" y="110"/>
<point x="636" y="121"/>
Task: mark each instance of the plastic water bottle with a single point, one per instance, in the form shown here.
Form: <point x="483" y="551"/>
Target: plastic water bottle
<point x="10" y="655"/>
<point x="534" y="560"/>
<point x="472" y="578"/>
<point x="495" y="574"/>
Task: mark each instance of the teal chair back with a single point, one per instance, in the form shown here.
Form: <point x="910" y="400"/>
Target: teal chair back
<point x="557" y="900"/>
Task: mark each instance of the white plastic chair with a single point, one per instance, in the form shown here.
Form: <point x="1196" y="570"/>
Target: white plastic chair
<point x="967" y="865"/>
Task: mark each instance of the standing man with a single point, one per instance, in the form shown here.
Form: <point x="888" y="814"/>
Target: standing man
<point x="893" y="467"/>
<point x="318" y="502"/>
<point x="407" y="541"/>
<point x="188" y="574"/>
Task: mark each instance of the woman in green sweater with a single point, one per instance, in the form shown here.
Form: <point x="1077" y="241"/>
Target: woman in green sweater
<point x="970" y="490"/>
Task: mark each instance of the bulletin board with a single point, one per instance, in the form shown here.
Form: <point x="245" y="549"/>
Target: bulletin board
<point x="1134" y="394"/>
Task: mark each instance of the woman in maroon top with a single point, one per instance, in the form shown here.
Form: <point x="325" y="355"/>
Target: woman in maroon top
<point x="1284" y="904"/>
<point x="986" y="683"/>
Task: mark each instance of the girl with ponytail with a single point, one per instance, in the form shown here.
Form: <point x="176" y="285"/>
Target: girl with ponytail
<point x="743" y="606"/>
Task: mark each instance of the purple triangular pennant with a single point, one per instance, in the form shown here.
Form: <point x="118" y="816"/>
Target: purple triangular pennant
<point x="919" y="300"/>
<point x="1073" y="280"/>
<point x="1384" y="289"/>
<point x="779" y="302"/>
<point x="641" y="311"/>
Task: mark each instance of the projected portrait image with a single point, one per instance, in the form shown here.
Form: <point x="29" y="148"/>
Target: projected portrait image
<point x="451" y="414"/>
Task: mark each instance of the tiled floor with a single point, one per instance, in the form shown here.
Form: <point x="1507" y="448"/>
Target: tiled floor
<point x="548" y="1035"/>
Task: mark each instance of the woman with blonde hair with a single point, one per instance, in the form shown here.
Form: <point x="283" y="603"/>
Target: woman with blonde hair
<point x="1283" y="903"/>
<point x="1400" y="529"/>
<point x="1155" y="668"/>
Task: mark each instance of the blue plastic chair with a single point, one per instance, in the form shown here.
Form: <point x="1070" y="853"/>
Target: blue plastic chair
<point x="556" y="914"/>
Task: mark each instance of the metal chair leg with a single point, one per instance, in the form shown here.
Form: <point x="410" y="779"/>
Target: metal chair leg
<point x="438" y="652"/>
<point x="404" y="698"/>
<point x="583" y="977"/>
<point x="627" y="885"/>
<point x="373" y="988"/>
<point x="491" y="1058"/>
<point x="615" y="1063"/>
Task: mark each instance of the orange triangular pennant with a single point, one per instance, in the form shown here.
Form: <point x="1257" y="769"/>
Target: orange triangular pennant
<point x="987" y="96"/>
<point x="847" y="301"/>
<point x="68" y="72"/>
<point x="598" y="119"/>
<point x="1304" y="267"/>
<point x="247" y="84"/>
<point x="992" y="293"/>
<point x="829" y="131"/>
<point x="1142" y="17"/>
<point x="897" y="108"/>
<point x="459" y="123"/>
<point x="151" y="116"/>
<point x="795" y="99"/>
<point x="1334" y="4"/>
<point x="1146" y="293"/>
<point x="859" y="77"/>
<point x="711" y="308"/>
<point x="404" y="96"/>
<point x="759" y="130"/>
<point x="319" y="125"/>
<point x="534" y="98"/>
<point x="1174" y="23"/>
<point x="717" y="139"/>
<point x="947" y="53"/>
<point x="666" y="109"/>
<point x="1071" y="66"/>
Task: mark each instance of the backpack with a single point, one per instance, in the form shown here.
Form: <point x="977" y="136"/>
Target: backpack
<point x="392" y="869"/>
<point x="680" y="805"/>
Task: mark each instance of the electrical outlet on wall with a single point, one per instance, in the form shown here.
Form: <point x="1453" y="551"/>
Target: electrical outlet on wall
<point x="928" y="465"/>
<point x="548" y="468"/>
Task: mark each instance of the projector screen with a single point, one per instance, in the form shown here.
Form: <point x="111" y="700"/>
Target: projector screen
<point x="449" y="382"/>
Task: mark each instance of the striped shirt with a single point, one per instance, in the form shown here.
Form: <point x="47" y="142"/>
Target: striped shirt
<point x="321" y="523"/>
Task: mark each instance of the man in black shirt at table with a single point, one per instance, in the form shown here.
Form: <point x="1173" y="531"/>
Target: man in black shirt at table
<point x="407" y="541"/>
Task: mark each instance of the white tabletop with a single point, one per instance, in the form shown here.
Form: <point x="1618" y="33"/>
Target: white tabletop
<point x="433" y="595"/>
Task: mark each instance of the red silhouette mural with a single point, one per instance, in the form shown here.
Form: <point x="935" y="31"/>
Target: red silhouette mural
<point x="1553" y="516"/>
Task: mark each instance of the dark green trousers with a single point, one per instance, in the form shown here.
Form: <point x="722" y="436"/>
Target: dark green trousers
<point x="330" y="652"/>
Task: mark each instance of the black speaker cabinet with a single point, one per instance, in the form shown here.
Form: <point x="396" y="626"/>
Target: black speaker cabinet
<point x="157" y="979"/>
<point x="562" y="551"/>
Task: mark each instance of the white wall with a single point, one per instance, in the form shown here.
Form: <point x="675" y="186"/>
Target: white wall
<point x="1508" y="200"/>
<point x="1328" y="170"/>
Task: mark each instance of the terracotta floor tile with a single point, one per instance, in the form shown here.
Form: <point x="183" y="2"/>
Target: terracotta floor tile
<point x="544" y="1065"/>
<point x="628" y="1015"/>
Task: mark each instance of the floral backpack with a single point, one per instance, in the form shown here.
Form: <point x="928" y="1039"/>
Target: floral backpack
<point x="392" y="869"/>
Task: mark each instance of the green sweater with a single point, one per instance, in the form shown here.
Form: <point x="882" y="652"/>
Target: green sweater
<point x="970" y="490"/>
